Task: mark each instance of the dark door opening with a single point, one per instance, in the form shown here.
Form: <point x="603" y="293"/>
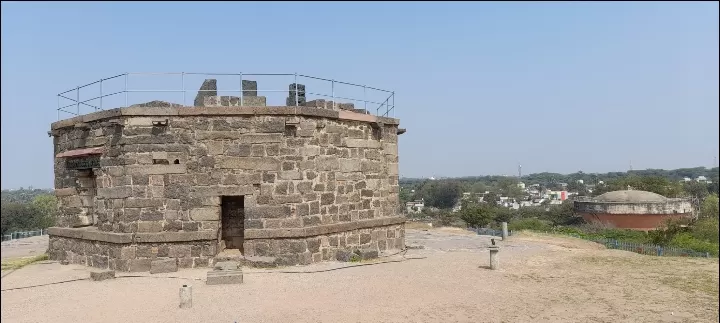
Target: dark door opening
<point x="233" y="221"/>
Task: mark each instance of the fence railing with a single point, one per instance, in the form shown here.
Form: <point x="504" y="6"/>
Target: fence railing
<point x="489" y="232"/>
<point x="642" y="248"/>
<point x="650" y="249"/>
<point x="116" y="91"/>
<point x="23" y="234"/>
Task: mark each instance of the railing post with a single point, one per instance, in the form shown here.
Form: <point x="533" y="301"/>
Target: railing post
<point x="101" y="95"/>
<point x="126" y="90"/>
<point x="365" y="96"/>
<point x="332" y="87"/>
<point x="241" y="89"/>
<point x="297" y="100"/>
<point x="77" y="99"/>
<point x="393" y="102"/>
<point x="183" y="87"/>
<point x="58" y="109"/>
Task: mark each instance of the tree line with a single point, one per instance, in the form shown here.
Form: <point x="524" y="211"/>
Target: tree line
<point x="27" y="209"/>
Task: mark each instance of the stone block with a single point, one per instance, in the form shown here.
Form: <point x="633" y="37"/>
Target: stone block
<point x="143" y="202"/>
<point x="114" y="192"/>
<point x="156" y="169"/>
<point x="229" y="101"/>
<point x="362" y="143"/>
<point x="268" y="212"/>
<point x="208" y="88"/>
<point x="205" y="214"/>
<point x="350" y="165"/>
<point x="149" y="226"/>
<point x="163" y="266"/>
<point x="250" y="163"/>
<point x="261" y="262"/>
<point x="224" y="277"/>
<point x="249" y="88"/>
<point x="227" y="265"/>
<point x="343" y="255"/>
<point x="139" y="265"/>
<point x="102" y="275"/>
<point x="254" y="101"/>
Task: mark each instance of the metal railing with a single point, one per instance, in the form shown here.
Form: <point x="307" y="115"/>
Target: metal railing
<point x="489" y="232"/>
<point x="23" y="234"/>
<point x="109" y="94"/>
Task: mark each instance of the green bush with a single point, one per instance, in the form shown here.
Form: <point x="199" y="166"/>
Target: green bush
<point x="707" y="230"/>
<point x="686" y="240"/>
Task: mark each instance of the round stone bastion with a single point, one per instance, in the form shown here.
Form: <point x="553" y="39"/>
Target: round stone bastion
<point x="281" y="185"/>
<point x="631" y="209"/>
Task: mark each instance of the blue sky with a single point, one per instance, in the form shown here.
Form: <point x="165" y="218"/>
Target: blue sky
<point x="481" y="87"/>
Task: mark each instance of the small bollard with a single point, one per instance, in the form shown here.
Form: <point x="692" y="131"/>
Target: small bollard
<point x="186" y="296"/>
<point x="494" y="261"/>
<point x="504" y="231"/>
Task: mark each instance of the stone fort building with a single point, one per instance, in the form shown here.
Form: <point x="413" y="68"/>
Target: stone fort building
<point x="285" y="185"/>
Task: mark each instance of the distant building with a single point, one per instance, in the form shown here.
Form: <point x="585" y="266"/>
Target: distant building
<point x="521" y="185"/>
<point x="557" y="195"/>
<point x="629" y="209"/>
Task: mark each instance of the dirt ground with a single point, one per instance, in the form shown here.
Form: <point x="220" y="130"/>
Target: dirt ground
<point x="541" y="279"/>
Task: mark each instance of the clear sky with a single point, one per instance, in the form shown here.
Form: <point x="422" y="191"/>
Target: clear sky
<point x="481" y="87"/>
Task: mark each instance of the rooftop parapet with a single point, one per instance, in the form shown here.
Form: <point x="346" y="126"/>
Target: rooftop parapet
<point x="236" y="89"/>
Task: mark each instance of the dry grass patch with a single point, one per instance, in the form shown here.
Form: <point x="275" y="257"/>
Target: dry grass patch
<point x="417" y="225"/>
<point x="17" y="263"/>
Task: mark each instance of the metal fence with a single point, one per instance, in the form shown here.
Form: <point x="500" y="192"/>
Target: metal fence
<point x="650" y="249"/>
<point x="643" y="248"/>
<point x="23" y="234"/>
<point x="126" y="89"/>
<point x="489" y="232"/>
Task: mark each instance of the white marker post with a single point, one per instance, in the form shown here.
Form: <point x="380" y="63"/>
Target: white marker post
<point x="186" y="296"/>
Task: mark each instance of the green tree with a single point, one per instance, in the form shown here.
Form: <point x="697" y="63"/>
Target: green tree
<point x="709" y="207"/>
<point x="439" y="194"/>
<point x="46" y="206"/>
<point x="502" y="214"/>
<point x="696" y="189"/>
<point x="18" y="217"/>
<point x="491" y="198"/>
<point x="478" y="215"/>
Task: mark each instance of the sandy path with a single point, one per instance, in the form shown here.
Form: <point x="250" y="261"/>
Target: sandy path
<point x="24" y="247"/>
<point x="542" y="279"/>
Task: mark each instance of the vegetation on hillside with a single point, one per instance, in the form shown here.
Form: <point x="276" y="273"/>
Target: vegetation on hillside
<point x="700" y="234"/>
<point x="27" y="209"/>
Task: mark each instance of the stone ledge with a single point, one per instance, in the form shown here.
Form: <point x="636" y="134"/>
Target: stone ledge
<point x="175" y="236"/>
<point x="91" y="234"/>
<point x="320" y="230"/>
<point x="127" y="238"/>
<point x="221" y="111"/>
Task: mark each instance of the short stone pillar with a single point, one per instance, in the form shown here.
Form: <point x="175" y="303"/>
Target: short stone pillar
<point x="296" y="95"/>
<point x="186" y="296"/>
<point x="504" y="231"/>
<point x="494" y="261"/>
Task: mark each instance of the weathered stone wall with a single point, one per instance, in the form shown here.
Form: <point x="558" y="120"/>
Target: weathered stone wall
<point x="130" y="257"/>
<point x="327" y="247"/>
<point x="672" y="206"/>
<point x="166" y="172"/>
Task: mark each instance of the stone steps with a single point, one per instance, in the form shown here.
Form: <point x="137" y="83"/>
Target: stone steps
<point x="253" y="262"/>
